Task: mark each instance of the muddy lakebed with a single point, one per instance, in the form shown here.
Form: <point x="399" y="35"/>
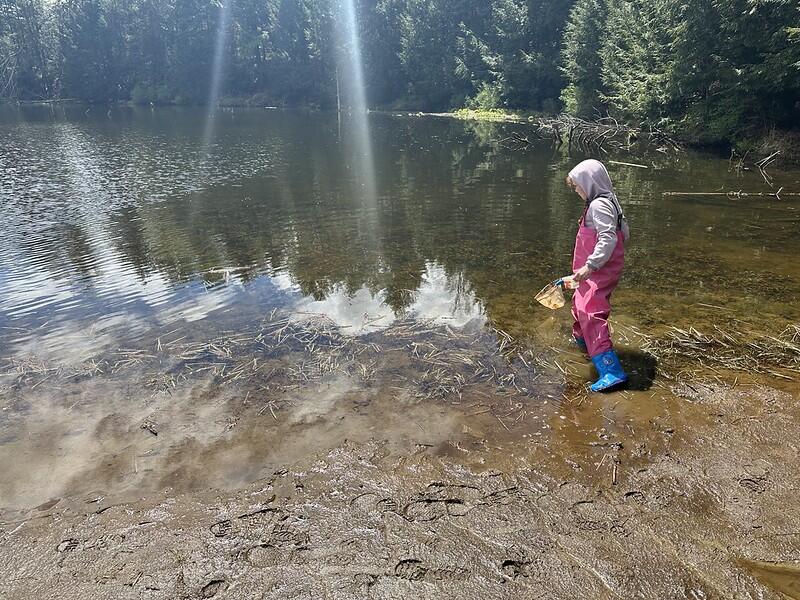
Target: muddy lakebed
<point x="243" y="361"/>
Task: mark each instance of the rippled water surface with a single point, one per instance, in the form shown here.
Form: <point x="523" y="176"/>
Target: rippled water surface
<point x="116" y="225"/>
<point x="121" y="229"/>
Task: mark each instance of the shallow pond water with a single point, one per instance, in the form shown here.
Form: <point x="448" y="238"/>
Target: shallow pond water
<point x="125" y="235"/>
<point x="116" y="224"/>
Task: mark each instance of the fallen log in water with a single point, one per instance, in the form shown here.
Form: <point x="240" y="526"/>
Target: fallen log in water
<point x="737" y="194"/>
<point x="602" y="135"/>
<point x="627" y="164"/>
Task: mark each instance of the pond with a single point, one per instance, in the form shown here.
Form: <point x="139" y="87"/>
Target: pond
<point x="128" y="232"/>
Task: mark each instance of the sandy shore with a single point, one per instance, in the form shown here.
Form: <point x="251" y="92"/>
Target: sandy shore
<point x="669" y="504"/>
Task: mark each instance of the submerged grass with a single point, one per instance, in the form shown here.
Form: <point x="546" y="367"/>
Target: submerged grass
<point x="427" y="361"/>
<point x="727" y="349"/>
<point x="432" y="361"/>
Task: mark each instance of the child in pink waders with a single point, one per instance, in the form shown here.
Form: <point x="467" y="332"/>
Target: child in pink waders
<point x="597" y="263"/>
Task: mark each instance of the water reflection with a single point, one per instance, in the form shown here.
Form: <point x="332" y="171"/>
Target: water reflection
<point x="440" y="299"/>
<point x="110" y="232"/>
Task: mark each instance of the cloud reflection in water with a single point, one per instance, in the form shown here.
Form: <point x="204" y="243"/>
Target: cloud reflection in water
<point x="440" y="298"/>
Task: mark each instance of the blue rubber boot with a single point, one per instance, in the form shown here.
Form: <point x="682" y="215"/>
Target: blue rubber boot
<point x="610" y="371"/>
<point x="581" y="344"/>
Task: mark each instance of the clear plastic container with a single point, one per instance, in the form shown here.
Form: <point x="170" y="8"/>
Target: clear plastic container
<point x="569" y="282"/>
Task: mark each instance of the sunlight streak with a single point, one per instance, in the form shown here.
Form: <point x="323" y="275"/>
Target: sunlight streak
<point x="354" y="94"/>
<point x="217" y="72"/>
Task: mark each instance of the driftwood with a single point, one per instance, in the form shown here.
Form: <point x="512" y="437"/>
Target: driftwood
<point x="627" y="164"/>
<point x="738" y="194"/>
<point x="602" y="135"/>
<point x="764" y="163"/>
<point x="740" y="165"/>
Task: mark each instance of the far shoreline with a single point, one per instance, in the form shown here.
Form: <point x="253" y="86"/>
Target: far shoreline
<point x="756" y="145"/>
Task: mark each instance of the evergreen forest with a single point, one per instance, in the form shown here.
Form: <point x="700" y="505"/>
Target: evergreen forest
<point x="709" y="70"/>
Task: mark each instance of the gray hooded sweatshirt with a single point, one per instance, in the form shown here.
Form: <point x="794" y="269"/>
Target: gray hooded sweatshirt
<point x="604" y="212"/>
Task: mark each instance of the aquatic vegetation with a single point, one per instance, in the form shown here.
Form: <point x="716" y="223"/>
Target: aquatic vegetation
<point x="727" y="348"/>
<point x="435" y="362"/>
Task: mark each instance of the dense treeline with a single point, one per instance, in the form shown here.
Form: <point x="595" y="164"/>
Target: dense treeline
<point x="709" y="68"/>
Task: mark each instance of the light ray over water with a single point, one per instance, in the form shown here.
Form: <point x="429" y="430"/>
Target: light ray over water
<point x="217" y="72"/>
<point x="355" y="96"/>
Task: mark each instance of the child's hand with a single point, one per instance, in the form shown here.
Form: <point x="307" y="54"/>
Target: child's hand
<point x="582" y="274"/>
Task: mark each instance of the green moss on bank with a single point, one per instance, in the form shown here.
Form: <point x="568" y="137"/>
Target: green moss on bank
<point x="488" y="114"/>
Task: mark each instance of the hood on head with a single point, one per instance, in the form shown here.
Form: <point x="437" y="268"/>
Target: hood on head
<point x="593" y="178"/>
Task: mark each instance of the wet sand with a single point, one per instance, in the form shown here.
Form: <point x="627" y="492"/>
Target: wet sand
<point x="363" y="489"/>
